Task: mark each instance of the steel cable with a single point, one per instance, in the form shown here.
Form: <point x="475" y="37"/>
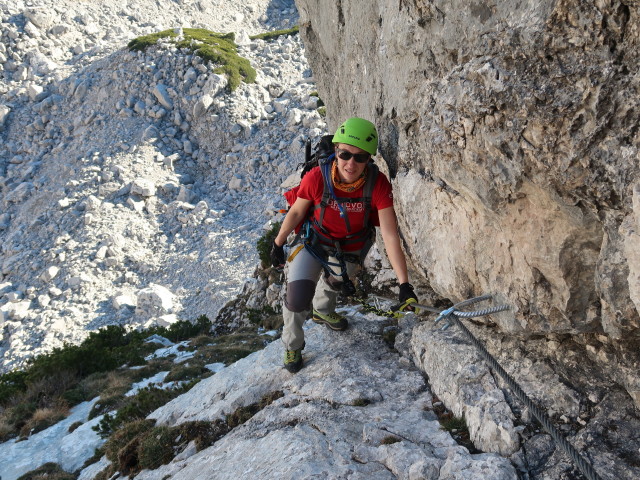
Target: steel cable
<point x="451" y="315"/>
<point x="480" y="313"/>
<point x="585" y="467"/>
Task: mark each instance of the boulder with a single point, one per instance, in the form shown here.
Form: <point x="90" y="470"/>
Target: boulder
<point x="154" y="301"/>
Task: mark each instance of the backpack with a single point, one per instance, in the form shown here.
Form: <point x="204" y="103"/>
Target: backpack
<point x="323" y="156"/>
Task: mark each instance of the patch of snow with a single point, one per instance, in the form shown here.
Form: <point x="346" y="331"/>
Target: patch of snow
<point x="156" y="379"/>
<point x="215" y="367"/>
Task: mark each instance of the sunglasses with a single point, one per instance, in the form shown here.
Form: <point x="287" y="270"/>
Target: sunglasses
<point x="347" y="155"/>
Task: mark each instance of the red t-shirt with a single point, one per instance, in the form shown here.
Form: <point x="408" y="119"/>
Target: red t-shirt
<point x="311" y="188"/>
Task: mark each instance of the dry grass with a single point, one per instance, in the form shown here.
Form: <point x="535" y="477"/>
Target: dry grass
<point x="48" y="471"/>
<point x="119" y="381"/>
<point x="46" y="390"/>
<point x="95" y="383"/>
<point x="43" y="418"/>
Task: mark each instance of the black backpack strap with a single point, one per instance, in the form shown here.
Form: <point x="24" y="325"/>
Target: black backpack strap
<point x="327" y="195"/>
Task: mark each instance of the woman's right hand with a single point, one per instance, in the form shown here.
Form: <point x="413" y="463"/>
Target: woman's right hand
<point x="277" y="255"/>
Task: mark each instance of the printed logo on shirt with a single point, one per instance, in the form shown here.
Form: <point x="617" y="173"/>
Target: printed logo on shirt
<point x="351" y="207"/>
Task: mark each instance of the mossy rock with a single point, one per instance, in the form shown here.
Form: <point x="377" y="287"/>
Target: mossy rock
<point x="217" y="48"/>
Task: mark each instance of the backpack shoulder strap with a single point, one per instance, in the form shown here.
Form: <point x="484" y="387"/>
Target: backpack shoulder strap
<point x="328" y="193"/>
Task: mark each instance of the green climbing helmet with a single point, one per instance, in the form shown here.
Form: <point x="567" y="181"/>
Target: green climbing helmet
<point x="358" y="132"/>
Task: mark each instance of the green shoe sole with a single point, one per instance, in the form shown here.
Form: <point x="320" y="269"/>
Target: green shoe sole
<point x="334" y="322"/>
<point x="293" y="360"/>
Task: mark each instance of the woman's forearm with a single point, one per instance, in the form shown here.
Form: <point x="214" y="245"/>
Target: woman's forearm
<point x="391" y="239"/>
<point x="294" y="216"/>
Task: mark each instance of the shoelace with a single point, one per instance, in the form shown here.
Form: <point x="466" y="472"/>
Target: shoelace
<point x="291" y="356"/>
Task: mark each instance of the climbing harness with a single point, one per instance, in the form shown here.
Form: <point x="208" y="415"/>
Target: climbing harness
<point x="329" y="196"/>
<point x="452" y="315"/>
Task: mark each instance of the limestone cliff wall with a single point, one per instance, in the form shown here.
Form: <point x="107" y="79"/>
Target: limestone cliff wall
<point x="510" y="129"/>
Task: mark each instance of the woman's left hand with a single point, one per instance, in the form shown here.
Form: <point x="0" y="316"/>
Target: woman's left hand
<point x="406" y="293"/>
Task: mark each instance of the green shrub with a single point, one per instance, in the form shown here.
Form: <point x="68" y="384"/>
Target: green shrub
<point x="20" y="414"/>
<point x="276" y="34"/>
<point x="76" y="395"/>
<point x="232" y="347"/>
<point x="138" y="407"/>
<point x="106" y="349"/>
<point x="186" y="372"/>
<point x="103" y="350"/>
<point x="11" y="385"/>
<point x="203" y="433"/>
<point x="138" y="444"/>
<point x="121" y="447"/>
<point x="77" y="373"/>
<point x="319" y="103"/>
<point x="123" y="436"/>
<point x="217" y="48"/>
<point x="265" y="242"/>
<point x="48" y="471"/>
<point x="451" y="423"/>
<point x="183" y="330"/>
<point x="257" y="316"/>
<point x="202" y="340"/>
<point x="156" y="448"/>
<point x="107" y="403"/>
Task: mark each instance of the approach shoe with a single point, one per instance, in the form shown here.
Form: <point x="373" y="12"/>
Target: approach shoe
<point x="293" y="360"/>
<point x="333" y="320"/>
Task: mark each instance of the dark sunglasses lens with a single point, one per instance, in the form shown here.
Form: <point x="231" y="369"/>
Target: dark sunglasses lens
<point x="358" y="157"/>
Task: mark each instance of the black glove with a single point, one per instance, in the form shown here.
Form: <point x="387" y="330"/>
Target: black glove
<point x="277" y="256"/>
<point x="406" y="292"/>
<point x="348" y="288"/>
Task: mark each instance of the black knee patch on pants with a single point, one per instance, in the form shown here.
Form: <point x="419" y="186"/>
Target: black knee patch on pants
<point x="299" y="295"/>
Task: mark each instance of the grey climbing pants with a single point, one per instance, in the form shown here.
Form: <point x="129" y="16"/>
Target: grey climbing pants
<point x="308" y="287"/>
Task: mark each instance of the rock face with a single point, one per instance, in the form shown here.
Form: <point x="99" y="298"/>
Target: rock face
<point x="511" y="133"/>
